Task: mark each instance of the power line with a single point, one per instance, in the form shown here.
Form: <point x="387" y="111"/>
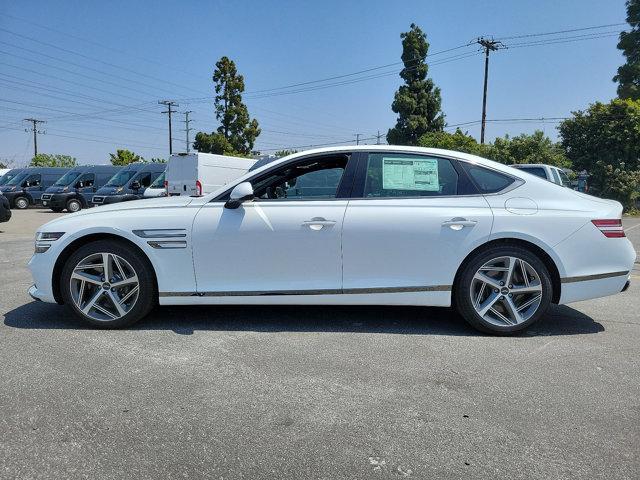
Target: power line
<point x="488" y="46"/>
<point x="169" y="104"/>
<point x="187" y="128"/>
<point x="35" y="131"/>
<point x="594" y="27"/>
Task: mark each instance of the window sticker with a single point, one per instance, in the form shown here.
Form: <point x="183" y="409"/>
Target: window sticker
<point x="410" y="174"/>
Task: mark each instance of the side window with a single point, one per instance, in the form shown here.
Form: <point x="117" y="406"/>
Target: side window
<point x="144" y="179"/>
<point x="487" y="180"/>
<point x="391" y="175"/>
<point x="556" y="177"/>
<point x="86" y="180"/>
<point x="564" y="179"/>
<point x="317" y="178"/>
<point x="32" y="181"/>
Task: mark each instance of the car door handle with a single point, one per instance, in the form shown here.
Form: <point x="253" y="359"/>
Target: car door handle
<point x="318" y="223"/>
<point x="459" y="223"/>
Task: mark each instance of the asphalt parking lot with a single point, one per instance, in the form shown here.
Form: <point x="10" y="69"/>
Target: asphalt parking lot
<point x="314" y="393"/>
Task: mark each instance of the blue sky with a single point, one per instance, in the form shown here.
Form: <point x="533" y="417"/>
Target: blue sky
<point x="95" y="70"/>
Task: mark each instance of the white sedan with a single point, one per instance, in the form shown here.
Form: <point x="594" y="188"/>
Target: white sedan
<point x="361" y="225"/>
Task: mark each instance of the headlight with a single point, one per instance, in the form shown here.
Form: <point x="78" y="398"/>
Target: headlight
<point x="118" y="190"/>
<point x="43" y="240"/>
<point x="65" y="189"/>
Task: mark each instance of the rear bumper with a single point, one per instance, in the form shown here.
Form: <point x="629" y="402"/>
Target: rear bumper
<point x="601" y="286"/>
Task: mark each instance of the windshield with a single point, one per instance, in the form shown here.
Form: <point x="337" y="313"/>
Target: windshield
<point x="17" y="179"/>
<point x="121" y="178"/>
<point x="158" y="182"/>
<point x="8" y="176"/>
<point x="68" y="178"/>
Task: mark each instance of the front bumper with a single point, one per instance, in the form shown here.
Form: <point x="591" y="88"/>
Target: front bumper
<point x="56" y="200"/>
<point x="41" y="268"/>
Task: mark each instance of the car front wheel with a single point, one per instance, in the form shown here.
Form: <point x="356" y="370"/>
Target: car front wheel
<point x="108" y="285"/>
<point x="503" y="290"/>
<point x="21" y="203"/>
<point x="74" y="205"/>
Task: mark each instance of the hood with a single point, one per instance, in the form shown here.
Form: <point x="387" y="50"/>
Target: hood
<point x="10" y="188"/>
<point x="132" y="206"/>
<point x="110" y="190"/>
<point x="56" y="189"/>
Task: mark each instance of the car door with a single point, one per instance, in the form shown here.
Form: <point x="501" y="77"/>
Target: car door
<point x="85" y="186"/>
<point x="411" y="222"/>
<point x="284" y="242"/>
<point x="33" y="185"/>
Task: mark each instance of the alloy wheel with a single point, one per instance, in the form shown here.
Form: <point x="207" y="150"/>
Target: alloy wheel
<point x="506" y="291"/>
<point x="104" y="286"/>
<point x="22" y="203"/>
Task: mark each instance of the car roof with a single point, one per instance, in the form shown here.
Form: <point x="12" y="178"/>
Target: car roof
<point x="467" y="157"/>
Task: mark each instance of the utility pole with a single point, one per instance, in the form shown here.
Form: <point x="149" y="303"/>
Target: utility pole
<point x="35" y="131"/>
<point x="186" y="124"/>
<point x="488" y="46"/>
<point x="378" y="137"/>
<point x="169" y="104"/>
<point x="357" y="135"/>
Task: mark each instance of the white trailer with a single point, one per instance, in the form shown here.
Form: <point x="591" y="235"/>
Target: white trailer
<point x="202" y="173"/>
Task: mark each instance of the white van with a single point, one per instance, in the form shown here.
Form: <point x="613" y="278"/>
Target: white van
<point x="202" y="173"/>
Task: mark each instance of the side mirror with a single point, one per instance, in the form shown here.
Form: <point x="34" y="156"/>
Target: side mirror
<point x="135" y="185"/>
<point x="240" y="193"/>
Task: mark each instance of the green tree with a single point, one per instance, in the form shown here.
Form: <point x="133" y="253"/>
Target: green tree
<point x="50" y="160"/>
<point x="418" y="102"/>
<point x="284" y="153"/>
<point x="124" y="157"/>
<point x="525" y="148"/>
<point x="628" y="76"/>
<point x="213" y="143"/>
<point x="457" y="141"/>
<point x="158" y="160"/>
<point x="3" y="165"/>
<point x="604" y="140"/>
<point x="237" y="131"/>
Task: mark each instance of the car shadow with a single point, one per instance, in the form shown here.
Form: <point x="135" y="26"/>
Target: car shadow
<point x="561" y="320"/>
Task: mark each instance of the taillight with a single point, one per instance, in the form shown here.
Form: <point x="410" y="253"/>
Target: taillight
<point x="198" y="188"/>
<point x="611" y="228"/>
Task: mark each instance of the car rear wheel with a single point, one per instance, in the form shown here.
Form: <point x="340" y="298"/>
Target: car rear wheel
<point x="21" y="203"/>
<point x="74" y="205"/>
<point x="503" y="290"/>
<point x="108" y="285"/>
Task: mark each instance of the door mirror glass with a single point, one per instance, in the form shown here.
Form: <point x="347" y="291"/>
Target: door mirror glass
<point x="240" y="193"/>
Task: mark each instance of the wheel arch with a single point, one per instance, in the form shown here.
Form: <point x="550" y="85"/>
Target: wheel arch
<point x="84" y="240"/>
<point x="549" y="262"/>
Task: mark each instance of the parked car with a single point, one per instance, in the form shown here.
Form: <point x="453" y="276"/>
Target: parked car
<point x="401" y="226"/>
<point x="9" y="174"/>
<point x="196" y="174"/>
<point x="5" y="210"/>
<point x="129" y="183"/>
<point x="157" y="189"/>
<point x="27" y="187"/>
<point x="75" y="189"/>
<point x="548" y="172"/>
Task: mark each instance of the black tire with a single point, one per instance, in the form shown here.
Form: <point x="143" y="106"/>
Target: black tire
<point x="147" y="297"/>
<point x="57" y="210"/>
<point x="462" y="288"/>
<point x="21" y="203"/>
<point x="74" y="205"/>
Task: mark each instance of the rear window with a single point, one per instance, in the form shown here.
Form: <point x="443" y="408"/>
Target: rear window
<point x="487" y="181"/>
<point x="537" y="171"/>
